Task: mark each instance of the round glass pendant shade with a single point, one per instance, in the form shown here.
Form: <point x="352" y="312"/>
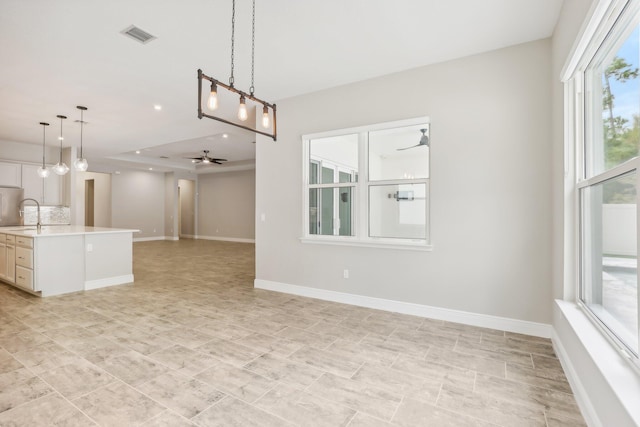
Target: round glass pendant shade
<point x="61" y="168"/>
<point x="43" y="172"/>
<point x="80" y="165"/>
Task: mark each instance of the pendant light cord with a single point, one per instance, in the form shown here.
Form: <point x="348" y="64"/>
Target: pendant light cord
<point x="233" y="38"/>
<point x="61" y="140"/>
<point x="81" y="127"/>
<point x="44" y="127"/>
<point x="253" y="45"/>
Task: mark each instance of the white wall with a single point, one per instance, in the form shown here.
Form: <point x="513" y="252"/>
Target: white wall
<point x="490" y="187"/>
<point x="226" y="205"/>
<point x="138" y="202"/>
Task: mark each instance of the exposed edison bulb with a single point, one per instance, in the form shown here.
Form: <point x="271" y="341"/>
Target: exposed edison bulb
<point x="212" y="103"/>
<point x="242" y="110"/>
<point x="81" y="164"/>
<point x="43" y="172"/>
<point x="265" y="117"/>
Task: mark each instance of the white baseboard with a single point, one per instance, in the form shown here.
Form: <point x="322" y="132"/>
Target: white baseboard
<point x="148" y="239"/>
<point x="109" y="281"/>
<point x="226" y="239"/>
<point x="578" y="389"/>
<point x="457" y="316"/>
<point x="171" y="238"/>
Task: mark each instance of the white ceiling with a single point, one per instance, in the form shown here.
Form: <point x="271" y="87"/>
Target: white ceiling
<point x="55" y="55"/>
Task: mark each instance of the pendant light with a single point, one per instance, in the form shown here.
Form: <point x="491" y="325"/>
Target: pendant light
<point x="81" y="164"/>
<point x="61" y="168"/>
<point x="243" y="114"/>
<point x="43" y="171"/>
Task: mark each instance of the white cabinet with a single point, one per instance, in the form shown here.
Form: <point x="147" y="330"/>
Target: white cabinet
<point x="47" y="191"/>
<point x="24" y="262"/>
<point x="7" y="258"/>
<point x="10" y="174"/>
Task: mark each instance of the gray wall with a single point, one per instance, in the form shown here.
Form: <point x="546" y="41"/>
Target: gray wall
<point x="490" y="218"/>
<point x="226" y="205"/>
<point x="138" y="202"/>
<point x="187" y="207"/>
<point x="102" y="198"/>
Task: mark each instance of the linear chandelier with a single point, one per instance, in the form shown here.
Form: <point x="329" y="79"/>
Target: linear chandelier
<point x="212" y="102"/>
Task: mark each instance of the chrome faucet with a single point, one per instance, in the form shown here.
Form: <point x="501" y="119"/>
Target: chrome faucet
<point x="38" y="225"/>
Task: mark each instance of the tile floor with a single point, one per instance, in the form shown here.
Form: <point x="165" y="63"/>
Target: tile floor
<point x="192" y="343"/>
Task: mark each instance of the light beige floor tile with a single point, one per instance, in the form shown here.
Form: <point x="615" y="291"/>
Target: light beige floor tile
<point x="434" y="371"/>
<point x="413" y="413"/>
<point x="20" y="386"/>
<point x="294" y="405"/>
<point x="186" y="337"/>
<point x="50" y="410"/>
<point x="69" y="334"/>
<point x="168" y="419"/>
<point x="186" y="396"/>
<point x="8" y="363"/>
<point x="306" y="338"/>
<point x="137" y="340"/>
<point x="427" y="339"/>
<point x="556" y="420"/>
<point x="363" y="352"/>
<point x="468" y="361"/>
<point x="550" y="379"/>
<point x="233" y="412"/>
<point x="329" y="328"/>
<point x="356" y="395"/>
<point x="398" y="382"/>
<point x="364" y="420"/>
<point x="538" y="346"/>
<point x="133" y="368"/>
<point x="489" y="408"/>
<point x="270" y="344"/>
<point x="326" y="361"/>
<point x="23" y="341"/>
<point x="77" y="378"/>
<point x="46" y="357"/>
<point x="395" y="344"/>
<point x="525" y="394"/>
<point x="283" y="370"/>
<point x="184" y="360"/>
<point x="238" y="382"/>
<point x="118" y="405"/>
<point x="97" y="349"/>
<point x="485" y="349"/>
<point x="229" y="351"/>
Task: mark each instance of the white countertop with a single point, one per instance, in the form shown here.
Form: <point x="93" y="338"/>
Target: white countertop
<point x="61" y="230"/>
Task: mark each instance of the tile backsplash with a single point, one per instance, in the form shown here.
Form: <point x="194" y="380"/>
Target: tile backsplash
<point x="49" y="215"/>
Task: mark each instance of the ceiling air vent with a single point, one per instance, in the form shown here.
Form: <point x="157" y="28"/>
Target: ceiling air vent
<point x="137" y="34"/>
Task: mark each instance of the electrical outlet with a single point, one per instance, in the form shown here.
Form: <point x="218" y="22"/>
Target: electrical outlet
<point x="345" y="274"/>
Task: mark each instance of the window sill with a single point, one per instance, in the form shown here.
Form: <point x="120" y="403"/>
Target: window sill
<point x="407" y="246"/>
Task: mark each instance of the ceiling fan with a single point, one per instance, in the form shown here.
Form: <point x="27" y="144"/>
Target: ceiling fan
<point x="206" y="159"/>
<point x="424" y="141"/>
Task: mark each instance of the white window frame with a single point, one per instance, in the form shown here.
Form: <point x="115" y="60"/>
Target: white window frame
<point x="360" y="203"/>
<point x="610" y="19"/>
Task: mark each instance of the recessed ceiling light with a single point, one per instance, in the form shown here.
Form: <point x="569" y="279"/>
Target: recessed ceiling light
<point x="224" y="135"/>
<point x="137" y="151"/>
<point x="157" y="107"/>
<point x="150" y="169"/>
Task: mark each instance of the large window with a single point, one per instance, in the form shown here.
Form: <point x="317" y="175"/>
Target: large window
<point x="368" y="185"/>
<point x="608" y="181"/>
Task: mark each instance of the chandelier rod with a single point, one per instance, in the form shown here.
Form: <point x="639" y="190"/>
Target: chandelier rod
<point x="233" y="38"/>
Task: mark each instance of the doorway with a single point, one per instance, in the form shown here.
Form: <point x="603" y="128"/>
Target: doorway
<point x="89" y="202"/>
<point x="186" y="208"/>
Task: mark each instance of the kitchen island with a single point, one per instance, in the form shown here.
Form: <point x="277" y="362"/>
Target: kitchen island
<point x="61" y="259"/>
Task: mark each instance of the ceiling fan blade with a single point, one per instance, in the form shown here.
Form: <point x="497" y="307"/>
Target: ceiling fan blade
<point x="193" y="158"/>
<point x="216" y="162"/>
<point x="220" y="160"/>
<point x="406" y="148"/>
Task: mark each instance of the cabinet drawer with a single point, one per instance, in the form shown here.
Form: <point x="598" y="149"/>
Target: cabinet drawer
<point x="3" y="238"/>
<point x="10" y="238"/>
<point x="24" y="277"/>
<point x="24" y="241"/>
<point x="24" y="257"/>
